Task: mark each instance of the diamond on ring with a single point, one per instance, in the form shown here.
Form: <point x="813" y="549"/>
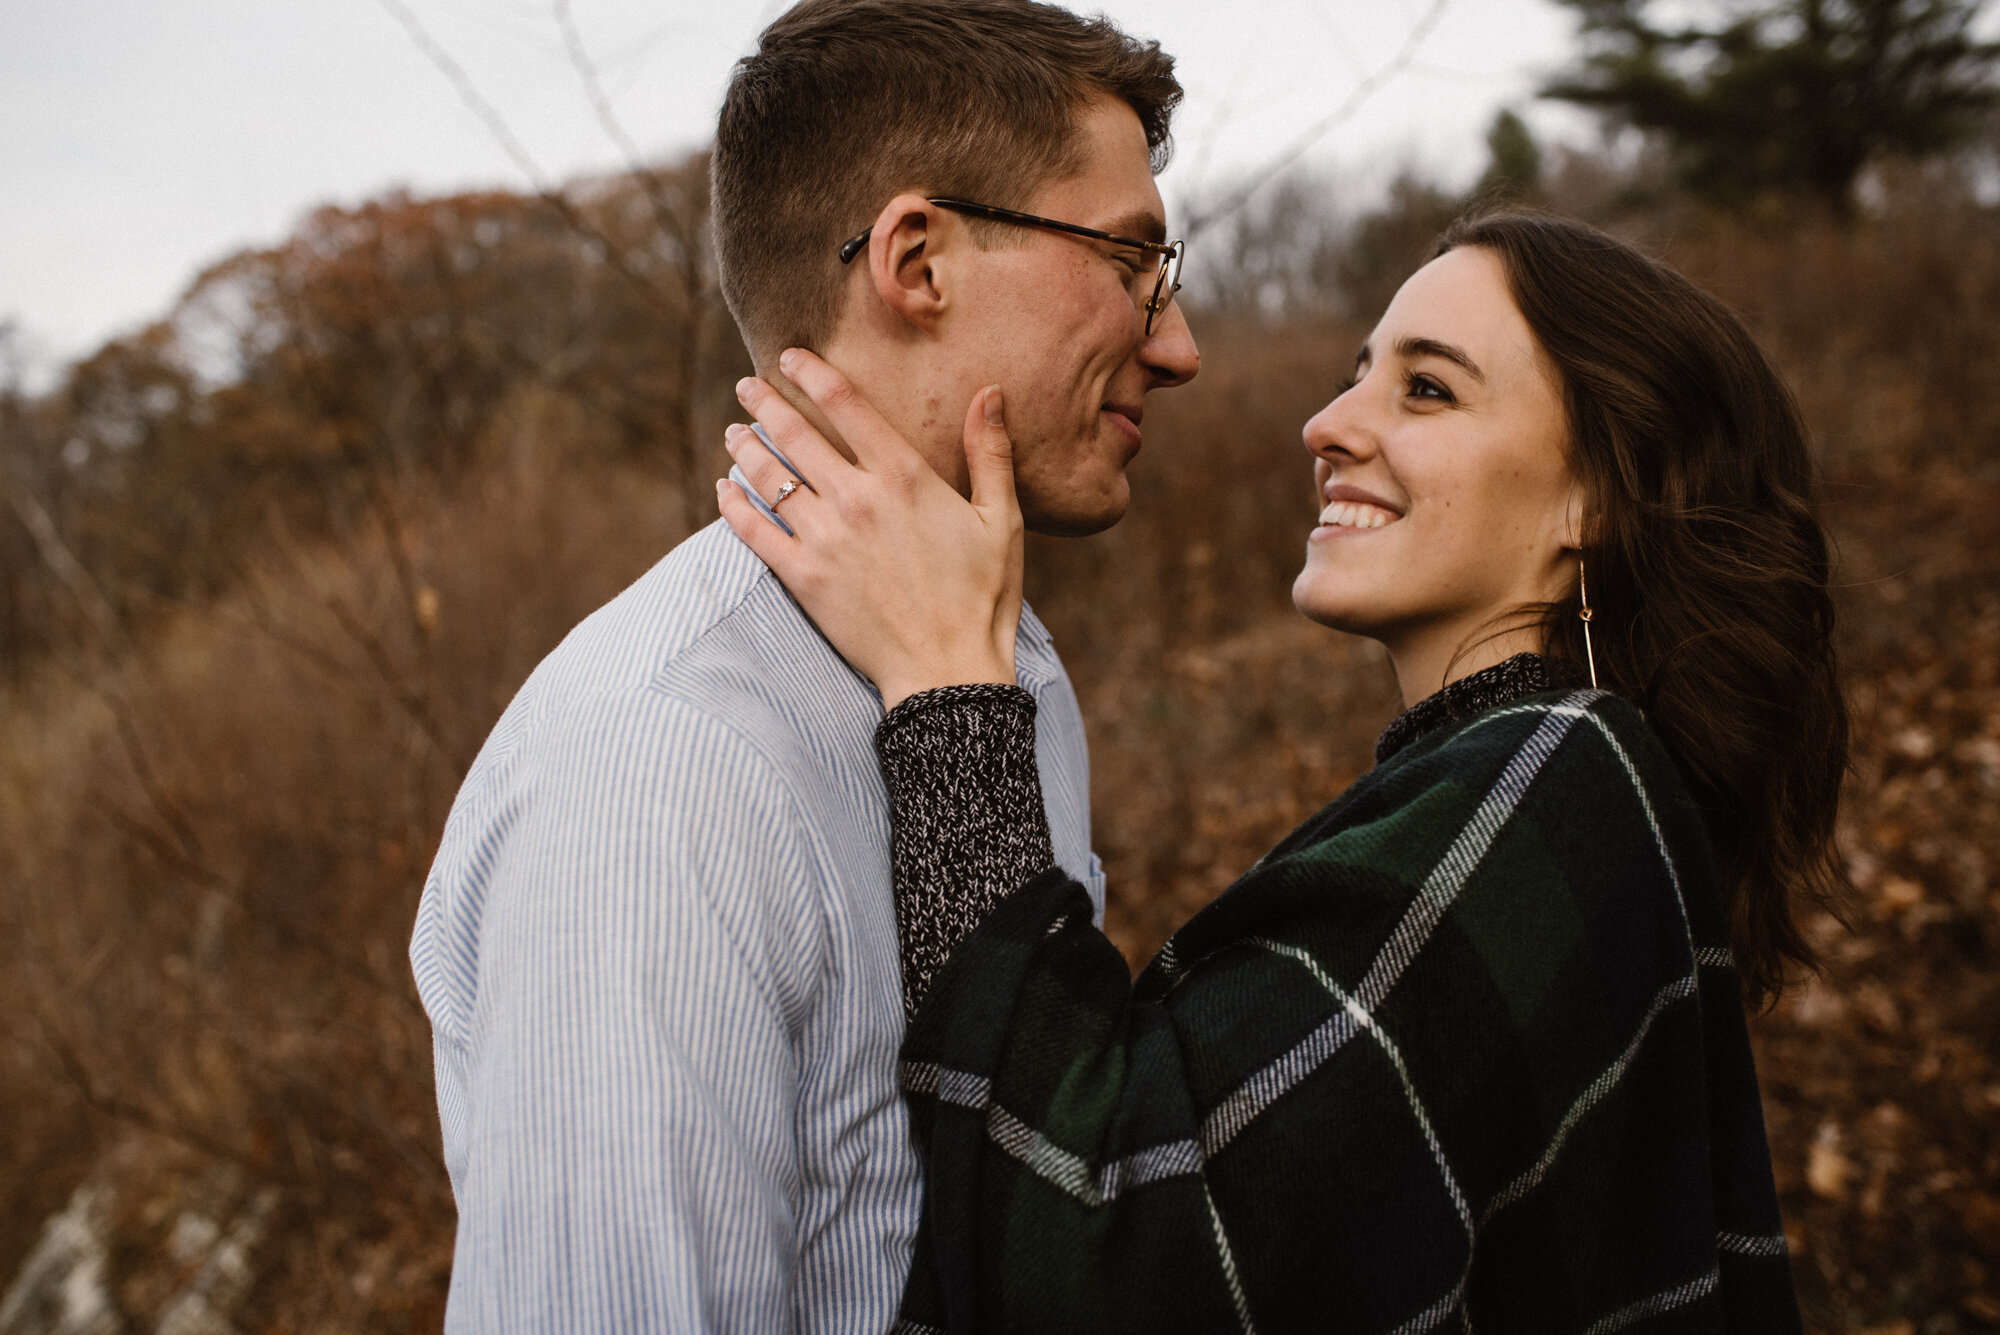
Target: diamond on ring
<point x="783" y="492"/>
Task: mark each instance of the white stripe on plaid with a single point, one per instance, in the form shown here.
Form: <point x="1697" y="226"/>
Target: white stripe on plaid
<point x="1652" y="821"/>
<point x="1678" y="990"/>
<point x="1353" y="1007"/>
<point x="1057" y="1166"/>
<point x="1744" y="1244"/>
<point x="1464" y="855"/>
<point x="1691" y="1291"/>
<point x="1180" y="1158"/>
<point x="1228" y="1258"/>
<point x="1577" y="703"/>
<point x="1439" y="889"/>
<point x="1261" y="1090"/>
<point x="1042" y="1156"/>
<point x="964" y="1089"/>
<point x="1433" y="1316"/>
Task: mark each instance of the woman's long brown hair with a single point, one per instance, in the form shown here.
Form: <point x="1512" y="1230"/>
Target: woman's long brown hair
<point x="1707" y="564"/>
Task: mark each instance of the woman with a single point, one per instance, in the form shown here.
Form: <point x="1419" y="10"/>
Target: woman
<point x="1467" y="1048"/>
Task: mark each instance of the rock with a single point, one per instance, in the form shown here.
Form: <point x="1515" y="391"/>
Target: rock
<point x="185" y="1235"/>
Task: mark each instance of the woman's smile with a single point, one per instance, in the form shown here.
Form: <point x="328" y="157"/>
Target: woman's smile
<point x="1349" y="510"/>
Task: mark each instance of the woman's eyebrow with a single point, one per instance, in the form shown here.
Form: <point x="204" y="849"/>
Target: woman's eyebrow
<point x="1413" y="347"/>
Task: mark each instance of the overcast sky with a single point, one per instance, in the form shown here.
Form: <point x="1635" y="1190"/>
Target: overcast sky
<point x="141" y="140"/>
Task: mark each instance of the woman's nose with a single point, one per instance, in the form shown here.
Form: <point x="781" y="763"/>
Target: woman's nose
<point x="1337" y="429"/>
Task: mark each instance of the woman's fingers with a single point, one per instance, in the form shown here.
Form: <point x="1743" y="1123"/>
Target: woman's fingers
<point x="989" y="456"/>
<point x="810" y="452"/>
<point x="875" y="443"/>
<point x="773" y="487"/>
<point x="759" y="534"/>
<point x="762" y="468"/>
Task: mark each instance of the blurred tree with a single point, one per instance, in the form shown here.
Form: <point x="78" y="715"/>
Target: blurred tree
<point x="1387" y="246"/>
<point x="1272" y="259"/>
<point x="1514" y="159"/>
<point x="381" y="351"/>
<point x="1792" y="97"/>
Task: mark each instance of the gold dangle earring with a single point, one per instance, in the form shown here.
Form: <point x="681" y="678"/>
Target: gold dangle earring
<point x="1583" y="614"/>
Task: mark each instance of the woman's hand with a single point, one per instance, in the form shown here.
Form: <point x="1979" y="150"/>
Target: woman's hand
<point x="913" y="585"/>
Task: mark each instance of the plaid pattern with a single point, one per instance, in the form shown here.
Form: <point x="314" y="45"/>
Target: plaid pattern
<point x="1464" y="1051"/>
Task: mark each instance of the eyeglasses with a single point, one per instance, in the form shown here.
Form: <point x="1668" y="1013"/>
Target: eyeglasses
<point x="1171" y="253"/>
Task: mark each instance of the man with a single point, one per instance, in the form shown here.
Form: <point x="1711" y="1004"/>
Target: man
<point x="658" y="946"/>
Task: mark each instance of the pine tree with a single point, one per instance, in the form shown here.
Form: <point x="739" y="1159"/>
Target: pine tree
<point x="1793" y="97"/>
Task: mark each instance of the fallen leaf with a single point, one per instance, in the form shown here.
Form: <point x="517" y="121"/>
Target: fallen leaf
<point x="1827" y="1169"/>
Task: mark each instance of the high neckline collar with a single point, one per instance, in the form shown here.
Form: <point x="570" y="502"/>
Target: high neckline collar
<point x="1503" y="683"/>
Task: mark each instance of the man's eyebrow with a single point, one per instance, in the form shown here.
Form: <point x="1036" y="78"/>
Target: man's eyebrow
<point x="1413" y="347"/>
<point x="1142" y="225"/>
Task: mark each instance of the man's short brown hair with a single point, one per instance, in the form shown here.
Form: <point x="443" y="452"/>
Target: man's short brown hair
<point x="847" y="102"/>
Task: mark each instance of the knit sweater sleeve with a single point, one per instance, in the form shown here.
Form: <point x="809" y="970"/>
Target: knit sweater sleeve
<point x="967" y="825"/>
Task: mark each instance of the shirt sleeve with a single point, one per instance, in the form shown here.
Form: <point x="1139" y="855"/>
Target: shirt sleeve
<point x="967" y="823"/>
<point x="618" y="1014"/>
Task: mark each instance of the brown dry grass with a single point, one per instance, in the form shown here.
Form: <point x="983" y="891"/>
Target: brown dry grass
<point x="213" y="849"/>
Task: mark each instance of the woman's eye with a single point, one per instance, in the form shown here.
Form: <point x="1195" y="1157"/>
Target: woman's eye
<point x="1423" y="387"/>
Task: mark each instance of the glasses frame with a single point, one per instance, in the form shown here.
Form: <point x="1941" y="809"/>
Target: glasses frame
<point x="1172" y="253"/>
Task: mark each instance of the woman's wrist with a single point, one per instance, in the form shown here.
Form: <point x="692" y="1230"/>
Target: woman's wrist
<point x="988" y="668"/>
<point x="901" y="688"/>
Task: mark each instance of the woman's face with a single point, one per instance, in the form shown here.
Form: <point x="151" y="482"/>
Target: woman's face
<point x="1446" y="502"/>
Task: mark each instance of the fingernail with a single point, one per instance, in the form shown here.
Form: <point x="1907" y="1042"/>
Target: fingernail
<point x="743" y="387"/>
<point x="735" y="430"/>
<point x="788" y="359"/>
<point x="995" y="410"/>
<point x="720" y="483"/>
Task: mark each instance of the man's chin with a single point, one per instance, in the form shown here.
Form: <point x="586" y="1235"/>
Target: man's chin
<point x="1074" y="515"/>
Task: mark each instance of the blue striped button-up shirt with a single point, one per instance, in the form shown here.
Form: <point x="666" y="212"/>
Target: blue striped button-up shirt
<point x="658" y="951"/>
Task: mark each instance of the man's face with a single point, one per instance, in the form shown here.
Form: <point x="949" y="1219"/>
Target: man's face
<point x="1059" y="321"/>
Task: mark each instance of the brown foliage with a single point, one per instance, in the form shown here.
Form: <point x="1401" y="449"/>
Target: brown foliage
<point x="213" y="850"/>
<point x="213" y="832"/>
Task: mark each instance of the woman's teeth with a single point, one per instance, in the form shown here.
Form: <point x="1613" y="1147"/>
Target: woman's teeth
<point x="1356" y="514"/>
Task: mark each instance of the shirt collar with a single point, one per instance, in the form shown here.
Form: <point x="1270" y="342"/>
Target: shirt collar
<point x="1035" y="660"/>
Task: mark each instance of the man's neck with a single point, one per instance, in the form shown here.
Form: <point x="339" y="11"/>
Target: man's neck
<point x="919" y="402"/>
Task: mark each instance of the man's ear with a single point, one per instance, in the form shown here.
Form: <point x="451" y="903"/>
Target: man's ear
<point x="909" y="254"/>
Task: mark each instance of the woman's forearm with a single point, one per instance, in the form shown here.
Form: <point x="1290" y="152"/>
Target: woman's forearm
<point x="966" y="819"/>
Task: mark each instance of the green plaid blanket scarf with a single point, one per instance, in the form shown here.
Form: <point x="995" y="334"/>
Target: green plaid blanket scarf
<point x="1465" y="1051"/>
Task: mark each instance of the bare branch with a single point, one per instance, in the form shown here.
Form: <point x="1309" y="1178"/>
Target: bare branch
<point x="497" y="126"/>
<point x="607" y="118"/>
<point x="1360" y="94"/>
<point x="113" y="1105"/>
<point x="62" y="562"/>
<point x="468" y="93"/>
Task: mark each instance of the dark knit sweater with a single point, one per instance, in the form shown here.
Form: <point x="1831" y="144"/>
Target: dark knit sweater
<point x="1465" y="1050"/>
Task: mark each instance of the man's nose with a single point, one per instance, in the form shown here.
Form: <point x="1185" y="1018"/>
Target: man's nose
<point x="1169" y="353"/>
